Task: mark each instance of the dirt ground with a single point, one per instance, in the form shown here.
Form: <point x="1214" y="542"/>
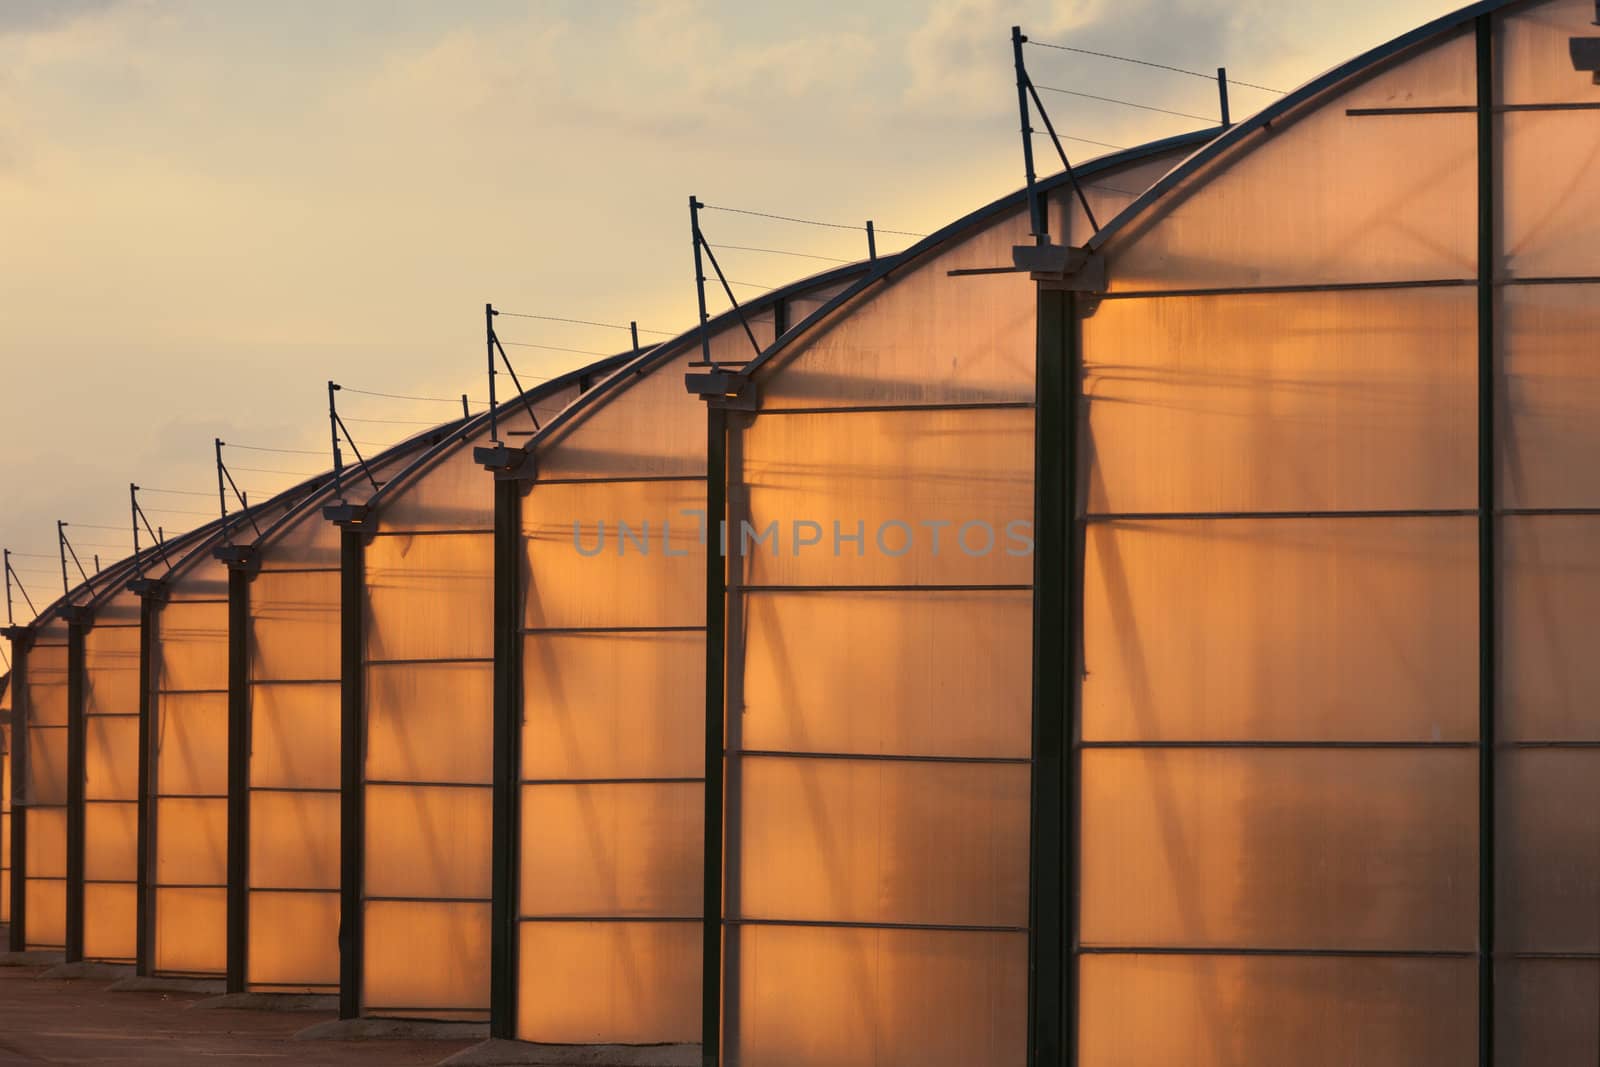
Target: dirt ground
<point x="55" y="1021"/>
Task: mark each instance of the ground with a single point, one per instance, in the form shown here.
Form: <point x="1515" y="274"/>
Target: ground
<point x="55" y="1021"/>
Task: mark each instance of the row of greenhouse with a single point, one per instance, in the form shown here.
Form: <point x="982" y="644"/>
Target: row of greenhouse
<point x="1154" y="639"/>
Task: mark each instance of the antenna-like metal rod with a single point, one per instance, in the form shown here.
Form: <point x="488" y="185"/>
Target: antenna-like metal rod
<point x="466" y="415"/>
<point x="1066" y="164"/>
<point x="333" y="436"/>
<point x="133" y="518"/>
<point x="10" y="620"/>
<point x="222" y="496"/>
<point x="700" y="279"/>
<point x="1036" y="217"/>
<point x="61" y="547"/>
<point x="633" y="331"/>
<point x="1222" y="95"/>
<point x="489" y="341"/>
<point x="872" y="243"/>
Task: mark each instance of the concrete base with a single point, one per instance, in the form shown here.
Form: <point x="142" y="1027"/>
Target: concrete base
<point x="271" y="1002"/>
<point x="31" y="958"/>
<point x="169" y="985"/>
<point x="90" y="969"/>
<point x="496" y="1052"/>
<point x="393" y="1030"/>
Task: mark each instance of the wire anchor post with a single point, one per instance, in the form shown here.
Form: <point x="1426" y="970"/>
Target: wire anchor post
<point x="1026" y="91"/>
<point x="1222" y="96"/>
<point x="703" y="247"/>
<point x="336" y="426"/>
<point x="224" y="483"/>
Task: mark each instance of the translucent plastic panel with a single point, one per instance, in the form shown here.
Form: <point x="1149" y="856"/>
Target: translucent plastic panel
<point x="626" y="849"/>
<point x="1550" y="198"/>
<point x="1281" y="629"/>
<point x="191" y="842"/>
<point x="111" y="841"/>
<point x="294" y="626"/>
<point x="46" y="848"/>
<point x="294" y="939"/>
<point x="46" y="770"/>
<point x="947" y="674"/>
<point x="1279" y="209"/>
<point x="430" y="722"/>
<point x="1531" y="57"/>
<point x="454" y="493"/>
<point x="111" y="670"/>
<point x="111" y="758"/>
<point x="1211" y="1011"/>
<point x="923" y="337"/>
<point x="426" y="956"/>
<point x="430" y="597"/>
<point x="193" y="646"/>
<point x="192" y="744"/>
<point x="310" y="542"/>
<point x="1108" y="191"/>
<point x="1550" y="389"/>
<point x="888" y="476"/>
<point x="1283" y="401"/>
<point x="1286" y="848"/>
<point x="47" y="685"/>
<point x="199" y="578"/>
<point x="109" y="930"/>
<point x="1546" y="1013"/>
<point x="294" y="840"/>
<point x="46" y="912"/>
<point x="1548" y="850"/>
<point x="816" y="997"/>
<point x="1549" y="583"/>
<point x="648" y="425"/>
<point x="803" y="305"/>
<point x="610" y="705"/>
<point x="652" y="576"/>
<point x="294" y="736"/>
<point x="609" y="983"/>
<point x="191" y="931"/>
<point x="873" y="841"/>
<point x="427" y="841"/>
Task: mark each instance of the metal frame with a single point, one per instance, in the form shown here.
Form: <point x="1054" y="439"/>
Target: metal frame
<point x="21" y="638"/>
<point x="352" y="749"/>
<point x="76" y="754"/>
<point x="1484" y="33"/>
<point x="506" y="832"/>
<point x="238" y="909"/>
<point x="711" y="974"/>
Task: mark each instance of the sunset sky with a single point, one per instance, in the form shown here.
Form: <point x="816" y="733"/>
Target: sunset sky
<point x="209" y="208"/>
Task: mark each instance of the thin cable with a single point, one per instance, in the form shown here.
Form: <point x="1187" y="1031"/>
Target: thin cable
<point x="402" y="396"/>
<point x="1085" y="140"/>
<point x="178" y="511"/>
<point x="175" y="492"/>
<point x="752" y="285"/>
<point x="284" y="451"/>
<point x="1125" y="103"/>
<point x="807" y="222"/>
<point x="552" y="348"/>
<point x="34" y="555"/>
<point x="395" y="422"/>
<point x="580" y="322"/>
<point x="92" y="526"/>
<point x="1158" y="66"/>
<point x="783" y="252"/>
<point x="270" y="470"/>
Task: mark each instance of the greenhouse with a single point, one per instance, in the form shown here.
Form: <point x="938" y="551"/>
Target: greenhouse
<point x="1140" y="623"/>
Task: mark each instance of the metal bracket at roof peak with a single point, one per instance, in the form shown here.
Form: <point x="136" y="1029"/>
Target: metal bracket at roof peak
<point x="239" y="558"/>
<point x="349" y="516"/>
<point x="19" y="636"/>
<point x="75" y="614"/>
<point x="149" y="588"/>
<point x="507" y="464"/>
<point x="724" y="389"/>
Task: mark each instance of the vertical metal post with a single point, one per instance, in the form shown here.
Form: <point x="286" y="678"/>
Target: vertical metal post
<point x="333" y="435"/>
<point x="699" y="278"/>
<point x="507" y="764"/>
<point x="466" y="415"/>
<point x="222" y="496"/>
<point x="1486" y="539"/>
<point x="76" y="751"/>
<point x="1222" y="96"/>
<point x="352" y="744"/>
<point x="716" y="681"/>
<point x="10" y="621"/>
<point x="238" y="914"/>
<point x="144" y="901"/>
<point x="1053" y="883"/>
<point x="488" y="339"/>
<point x="18" y="933"/>
<point x="872" y="243"/>
<point x="1036" y="216"/>
<point x="61" y="548"/>
<point x="633" y="331"/>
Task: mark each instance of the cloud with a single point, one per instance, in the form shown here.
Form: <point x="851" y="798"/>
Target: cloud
<point x="37" y="16"/>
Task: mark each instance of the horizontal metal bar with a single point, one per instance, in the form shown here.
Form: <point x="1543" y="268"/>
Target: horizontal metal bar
<point x="190" y="692"/>
<point x="293" y="789"/>
<point x="199" y="600"/>
<point x="1580" y="279"/>
<point x="426" y="900"/>
<point x="110" y="881"/>
<point x="423" y="662"/>
<point x="257" y="682"/>
<point x="879" y="757"/>
<point x="111" y="714"/>
<point x="1514" y="513"/>
<point x="534" y="631"/>
<point x="191" y="885"/>
<point x="1358" y="953"/>
<point x="1221" y="516"/>
<point x="869" y="409"/>
<point x="1274" y="744"/>
<point x="391" y="783"/>
<point x="613" y="781"/>
<point x="473" y="531"/>
<point x="880" y="589"/>
<point x="956" y="928"/>
<point x="621" y="479"/>
<point x="265" y="570"/>
<point x="44" y="878"/>
<point x="611" y="918"/>
<point x="1325" y="287"/>
<point x="1551" y="744"/>
<point x="1468" y="109"/>
<point x="371" y="1010"/>
<point x="324" y="890"/>
<point x="111" y="800"/>
<point x="191" y="796"/>
<point x="1582" y="956"/>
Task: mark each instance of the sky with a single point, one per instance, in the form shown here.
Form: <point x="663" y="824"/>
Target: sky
<point x="211" y="207"/>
